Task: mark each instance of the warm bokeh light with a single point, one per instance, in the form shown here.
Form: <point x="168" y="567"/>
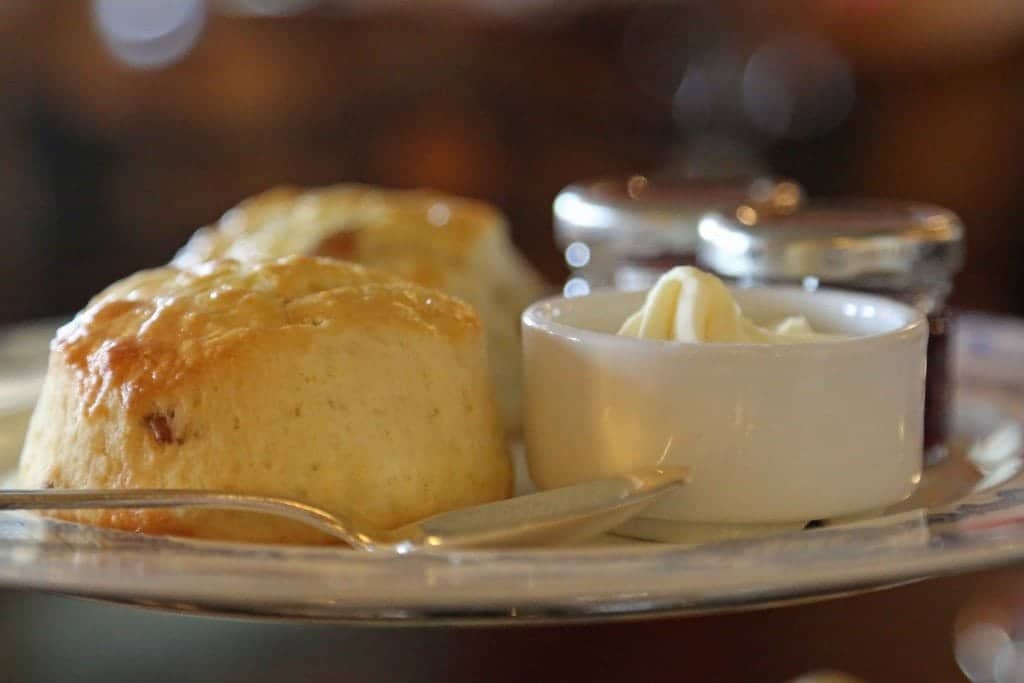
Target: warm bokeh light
<point x="149" y="33"/>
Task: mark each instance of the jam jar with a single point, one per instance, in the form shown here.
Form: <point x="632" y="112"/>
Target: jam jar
<point x="625" y="232"/>
<point x="902" y="250"/>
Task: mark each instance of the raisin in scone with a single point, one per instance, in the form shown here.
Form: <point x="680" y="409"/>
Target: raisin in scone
<point x="458" y="245"/>
<point x="306" y="378"/>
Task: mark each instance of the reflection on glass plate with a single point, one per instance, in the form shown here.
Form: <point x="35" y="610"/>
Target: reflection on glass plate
<point x="968" y="513"/>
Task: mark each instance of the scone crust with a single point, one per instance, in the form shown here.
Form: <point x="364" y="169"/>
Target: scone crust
<point x="153" y="329"/>
<point x="422" y="233"/>
<point x="306" y="378"/>
<point x="459" y="245"/>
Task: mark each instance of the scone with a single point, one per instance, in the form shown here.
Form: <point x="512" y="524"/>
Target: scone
<point x="458" y="245"/>
<point x="307" y="378"/>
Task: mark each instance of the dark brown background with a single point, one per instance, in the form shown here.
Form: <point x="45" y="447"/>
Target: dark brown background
<point x="899" y="636"/>
<point x="107" y="168"/>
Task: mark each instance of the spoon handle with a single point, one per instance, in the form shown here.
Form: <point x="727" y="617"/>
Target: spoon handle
<point x="355" y="534"/>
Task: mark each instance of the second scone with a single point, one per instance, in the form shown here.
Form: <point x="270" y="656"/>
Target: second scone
<point x="459" y="245"/>
<point x="305" y="378"/>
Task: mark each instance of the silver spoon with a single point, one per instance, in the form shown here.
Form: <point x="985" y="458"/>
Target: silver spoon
<point x="569" y="513"/>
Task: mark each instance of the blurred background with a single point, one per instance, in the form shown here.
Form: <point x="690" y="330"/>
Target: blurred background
<point x="126" y="124"/>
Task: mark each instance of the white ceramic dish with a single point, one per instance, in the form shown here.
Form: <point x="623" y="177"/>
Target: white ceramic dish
<point x="773" y="433"/>
<point x="966" y="514"/>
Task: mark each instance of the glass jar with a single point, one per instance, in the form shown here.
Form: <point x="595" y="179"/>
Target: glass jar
<point x="905" y="251"/>
<point x="623" y="233"/>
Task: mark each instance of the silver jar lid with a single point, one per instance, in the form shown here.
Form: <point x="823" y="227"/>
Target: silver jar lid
<point x="647" y="214"/>
<point x="887" y="243"/>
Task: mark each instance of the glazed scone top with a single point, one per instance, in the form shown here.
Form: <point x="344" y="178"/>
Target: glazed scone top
<point x="417" y="234"/>
<point x="147" y="332"/>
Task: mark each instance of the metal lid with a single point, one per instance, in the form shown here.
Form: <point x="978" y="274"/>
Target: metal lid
<point x="887" y="242"/>
<point x="646" y="213"/>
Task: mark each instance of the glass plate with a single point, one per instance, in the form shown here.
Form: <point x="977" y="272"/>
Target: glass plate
<point x="968" y="514"/>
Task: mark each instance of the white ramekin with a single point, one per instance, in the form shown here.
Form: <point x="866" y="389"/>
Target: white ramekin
<point x="773" y="433"/>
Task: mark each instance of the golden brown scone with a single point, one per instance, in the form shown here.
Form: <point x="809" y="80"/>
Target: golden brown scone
<point x="306" y="378"/>
<point x="458" y="245"/>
